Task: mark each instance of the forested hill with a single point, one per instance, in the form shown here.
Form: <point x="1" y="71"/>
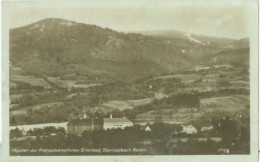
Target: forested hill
<point x="55" y="47"/>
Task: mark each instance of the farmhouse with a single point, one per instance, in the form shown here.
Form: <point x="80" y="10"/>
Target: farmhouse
<point x="189" y="129"/>
<point x="80" y="125"/>
<point x="147" y="129"/>
<point x="114" y="123"/>
<point x="223" y="151"/>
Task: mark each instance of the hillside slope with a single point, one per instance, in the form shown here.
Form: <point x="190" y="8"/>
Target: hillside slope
<point x="198" y="48"/>
<point x="237" y="57"/>
<point x="57" y="47"/>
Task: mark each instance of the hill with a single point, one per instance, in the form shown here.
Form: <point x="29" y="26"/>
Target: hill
<point x="197" y="48"/>
<point x="237" y="57"/>
<point x="56" y="47"/>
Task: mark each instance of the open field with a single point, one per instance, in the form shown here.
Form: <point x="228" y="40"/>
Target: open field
<point x="35" y="107"/>
<point x="199" y="88"/>
<point x="71" y="83"/>
<point x="19" y="96"/>
<point x="239" y="83"/>
<point x="208" y="79"/>
<point x="228" y="103"/>
<point x="70" y="96"/>
<point x="186" y="78"/>
<point x="34" y="81"/>
<point x="126" y="104"/>
<point x="168" y="116"/>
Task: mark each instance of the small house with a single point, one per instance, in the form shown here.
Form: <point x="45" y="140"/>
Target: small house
<point x="147" y="129"/>
<point x="189" y="129"/>
<point x="53" y="134"/>
<point x="223" y="151"/>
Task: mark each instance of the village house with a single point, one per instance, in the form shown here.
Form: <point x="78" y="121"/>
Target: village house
<point x="223" y="151"/>
<point x="160" y="95"/>
<point x="24" y="133"/>
<point x="115" y="123"/>
<point x="151" y="83"/>
<point x="147" y="129"/>
<point x="80" y="125"/>
<point x="189" y="129"/>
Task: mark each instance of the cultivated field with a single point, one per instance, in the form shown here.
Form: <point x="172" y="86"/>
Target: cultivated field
<point x="35" y="107"/>
<point x="168" y="116"/>
<point x="126" y="104"/>
<point x="71" y="83"/>
<point x="186" y="78"/>
<point x="34" y="81"/>
<point x="228" y="103"/>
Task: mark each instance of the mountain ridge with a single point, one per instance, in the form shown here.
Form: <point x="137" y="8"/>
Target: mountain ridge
<point x="53" y="46"/>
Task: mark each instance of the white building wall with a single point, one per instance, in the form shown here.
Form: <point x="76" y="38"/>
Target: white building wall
<point x="117" y="125"/>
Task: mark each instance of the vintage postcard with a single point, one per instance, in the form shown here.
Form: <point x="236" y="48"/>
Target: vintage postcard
<point x="130" y="80"/>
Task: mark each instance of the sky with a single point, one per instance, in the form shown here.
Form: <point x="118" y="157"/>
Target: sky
<point x="220" y="22"/>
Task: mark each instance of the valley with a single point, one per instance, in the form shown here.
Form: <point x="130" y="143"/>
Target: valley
<point x="65" y="71"/>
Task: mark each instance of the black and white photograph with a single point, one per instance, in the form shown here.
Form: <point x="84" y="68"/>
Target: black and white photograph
<point x="108" y="80"/>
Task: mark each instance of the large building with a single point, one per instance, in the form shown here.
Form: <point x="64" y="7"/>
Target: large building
<point x="80" y="125"/>
<point x="115" y="123"/>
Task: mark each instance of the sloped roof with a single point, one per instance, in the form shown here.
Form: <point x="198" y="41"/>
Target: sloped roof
<point x="85" y="121"/>
<point x="188" y="126"/>
<point x="147" y="128"/>
<point x="117" y="120"/>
